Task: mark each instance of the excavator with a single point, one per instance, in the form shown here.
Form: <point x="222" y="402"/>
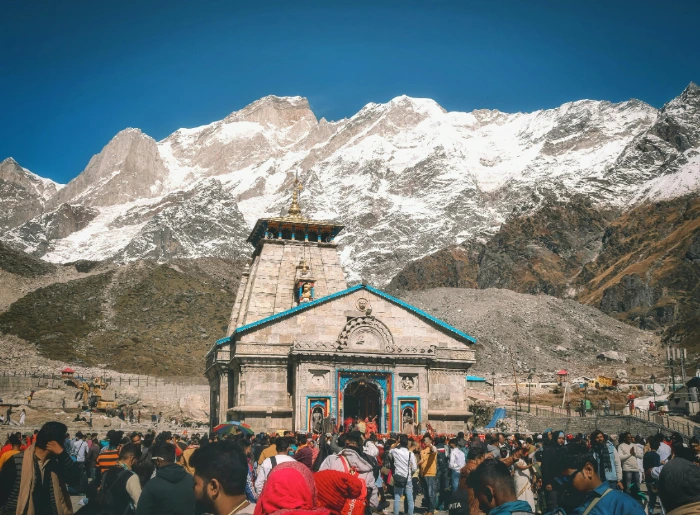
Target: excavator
<point x="95" y="394"/>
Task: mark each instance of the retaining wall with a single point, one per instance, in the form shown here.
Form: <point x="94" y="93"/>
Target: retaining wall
<point x="16" y="389"/>
<point x="610" y="425"/>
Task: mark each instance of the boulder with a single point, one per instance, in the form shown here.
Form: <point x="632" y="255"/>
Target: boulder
<point x="621" y="373"/>
<point x="612" y="355"/>
<point x="128" y="395"/>
<point x="50" y="398"/>
<point x="194" y="408"/>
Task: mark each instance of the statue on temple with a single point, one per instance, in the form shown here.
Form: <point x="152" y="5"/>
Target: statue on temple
<point x="317" y="421"/>
<point x="408" y="421"/>
<point x="305" y="293"/>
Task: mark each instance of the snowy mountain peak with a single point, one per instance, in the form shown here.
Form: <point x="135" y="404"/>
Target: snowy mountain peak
<point x="128" y="168"/>
<point x="12" y="171"/>
<point x="23" y="194"/>
<point x="406" y="177"/>
<point x="689" y="97"/>
<point x="274" y="111"/>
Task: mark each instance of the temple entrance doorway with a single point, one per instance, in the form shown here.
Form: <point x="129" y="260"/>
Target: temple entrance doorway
<point x="362" y="399"/>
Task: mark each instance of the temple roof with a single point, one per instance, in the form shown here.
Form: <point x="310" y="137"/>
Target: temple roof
<point x="307" y="305"/>
<point x="293" y="218"/>
<point x="262" y="224"/>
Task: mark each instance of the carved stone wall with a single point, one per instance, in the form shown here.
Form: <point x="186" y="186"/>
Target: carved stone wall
<point x="270" y="287"/>
<point x="262" y="386"/>
<point x="447" y="390"/>
<point x="328" y="323"/>
<point x="340" y="335"/>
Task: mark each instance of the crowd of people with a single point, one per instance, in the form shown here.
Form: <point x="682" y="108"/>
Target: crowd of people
<point x="351" y="473"/>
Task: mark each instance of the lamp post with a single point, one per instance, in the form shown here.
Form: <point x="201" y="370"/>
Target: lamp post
<point x="517" y="398"/>
<point x="585" y="399"/>
<point x="493" y="383"/>
<point x="529" y="389"/>
<point x="653" y="388"/>
<point x="676" y="356"/>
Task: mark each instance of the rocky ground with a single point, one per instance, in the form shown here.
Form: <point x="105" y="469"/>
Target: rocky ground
<point x="543" y="332"/>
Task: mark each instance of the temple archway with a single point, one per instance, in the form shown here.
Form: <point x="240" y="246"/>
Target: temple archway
<point x="362" y="398"/>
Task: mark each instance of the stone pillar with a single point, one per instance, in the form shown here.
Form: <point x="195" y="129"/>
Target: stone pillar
<point x="223" y="396"/>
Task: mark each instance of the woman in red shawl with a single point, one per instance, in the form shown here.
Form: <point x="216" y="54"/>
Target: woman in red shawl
<point x="289" y="490"/>
<point x="341" y="493"/>
<point x="371" y="427"/>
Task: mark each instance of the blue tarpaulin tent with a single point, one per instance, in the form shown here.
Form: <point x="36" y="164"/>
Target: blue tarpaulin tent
<point x="497" y="415"/>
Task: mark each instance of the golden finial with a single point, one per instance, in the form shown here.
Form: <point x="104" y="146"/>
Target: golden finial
<point x="294" y="209"/>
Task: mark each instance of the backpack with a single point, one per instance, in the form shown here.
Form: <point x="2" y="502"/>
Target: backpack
<point x="360" y="505"/>
<point x="443" y="462"/>
<point x="106" y="499"/>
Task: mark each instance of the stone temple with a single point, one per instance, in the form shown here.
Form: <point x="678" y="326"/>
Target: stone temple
<point x="304" y="351"/>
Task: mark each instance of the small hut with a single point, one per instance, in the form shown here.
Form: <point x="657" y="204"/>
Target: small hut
<point x="561" y="376"/>
<point x="67" y="373"/>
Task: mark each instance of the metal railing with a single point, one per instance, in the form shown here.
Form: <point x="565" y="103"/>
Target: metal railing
<point x="115" y="380"/>
<point x="664" y="419"/>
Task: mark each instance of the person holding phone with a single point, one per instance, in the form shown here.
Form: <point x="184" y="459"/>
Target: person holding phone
<point x="34" y="480"/>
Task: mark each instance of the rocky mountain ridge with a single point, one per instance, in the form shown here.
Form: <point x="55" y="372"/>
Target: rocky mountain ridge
<point x="23" y="194"/>
<point x="160" y="319"/>
<point x="407" y="178"/>
<point x="641" y="267"/>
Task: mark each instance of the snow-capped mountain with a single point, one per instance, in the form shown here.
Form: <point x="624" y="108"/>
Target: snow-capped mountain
<point x="23" y="194"/>
<point x="406" y="177"/>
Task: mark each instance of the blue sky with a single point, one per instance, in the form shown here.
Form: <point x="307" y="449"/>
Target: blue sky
<point x="75" y="72"/>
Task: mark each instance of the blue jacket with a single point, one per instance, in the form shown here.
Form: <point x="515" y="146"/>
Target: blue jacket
<point x="614" y="503"/>
<point x="511" y="507"/>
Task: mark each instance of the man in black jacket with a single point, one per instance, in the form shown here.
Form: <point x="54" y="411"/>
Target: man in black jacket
<point x="121" y="489"/>
<point x="171" y="491"/>
<point x="52" y="465"/>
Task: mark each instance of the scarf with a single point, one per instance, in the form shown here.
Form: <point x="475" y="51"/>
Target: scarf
<point x="25" y="504"/>
<point x="289" y="490"/>
<point x="336" y="488"/>
<point x="603" y="455"/>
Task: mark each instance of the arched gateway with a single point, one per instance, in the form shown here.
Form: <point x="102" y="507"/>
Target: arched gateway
<point x="304" y="352"/>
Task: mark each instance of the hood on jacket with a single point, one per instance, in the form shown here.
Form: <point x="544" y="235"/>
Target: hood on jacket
<point x="171" y="473"/>
<point x="355" y="460"/>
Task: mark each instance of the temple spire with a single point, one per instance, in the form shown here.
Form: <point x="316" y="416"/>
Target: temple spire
<point x="295" y="210"/>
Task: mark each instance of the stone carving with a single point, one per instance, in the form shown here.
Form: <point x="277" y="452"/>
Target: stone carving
<point x="371" y="368"/>
<point x="411" y="350"/>
<point x="318" y="379"/>
<point x="366" y="334"/>
<point x="363" y="304"/>
<point x="408" y="382"/>
<point x="328" y="346"/>
<point x="446" y="373"/>
<point x="455" y="354"/>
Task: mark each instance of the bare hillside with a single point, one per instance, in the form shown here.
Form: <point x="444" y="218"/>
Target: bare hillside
<point x="544" y="332"/>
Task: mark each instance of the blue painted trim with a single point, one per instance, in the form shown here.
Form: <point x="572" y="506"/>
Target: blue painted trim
<point x="342" y="293"/>
<point x="307" y="413"/>
<point x="476" y="379"/>
<point x="421" y="313"/>
<point x="399" y="417"/>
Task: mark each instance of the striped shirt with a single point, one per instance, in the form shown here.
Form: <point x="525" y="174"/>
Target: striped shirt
<point x="107" y="460"/>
